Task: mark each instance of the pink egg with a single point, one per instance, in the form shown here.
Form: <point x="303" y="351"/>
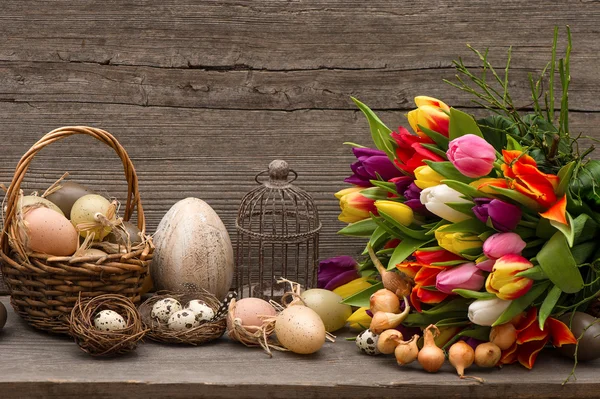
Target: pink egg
<point x="47" y="231"/>
<point x="249" y="310"/>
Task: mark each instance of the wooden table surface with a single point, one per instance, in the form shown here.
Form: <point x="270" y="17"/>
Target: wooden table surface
<point x="38" y="365"/>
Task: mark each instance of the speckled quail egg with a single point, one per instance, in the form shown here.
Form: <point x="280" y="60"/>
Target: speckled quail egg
<point x="164" y="308"/>
<point x="202" y="311"/>
<point x="109" y="320"/>
<point x="182" y="320"/>
<point x="367" y="342"/>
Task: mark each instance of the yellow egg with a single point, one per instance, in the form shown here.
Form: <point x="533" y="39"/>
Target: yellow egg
<point x="328" y="306"/>
<point x="88" y="210"/>
<point x="31" y="200"/>
<point x="47" y="231"/>
<point x="300" y="329"/>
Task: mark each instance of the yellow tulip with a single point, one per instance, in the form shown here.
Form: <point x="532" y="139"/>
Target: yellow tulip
<point x="354" y="205"/>
<point x="353" y="287"/>
<point x="400" y="212"/>
<point x="430" y="113"/>
<point x="359" y="320"/>
<point x="457" y="242"/>
<point x="426" y="177"/>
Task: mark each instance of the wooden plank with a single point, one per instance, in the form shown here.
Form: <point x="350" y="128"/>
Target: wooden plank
<point x="35" y="364"/>
<point x="386" y="89"/>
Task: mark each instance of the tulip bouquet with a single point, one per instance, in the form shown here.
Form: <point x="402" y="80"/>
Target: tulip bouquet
<point x="477" y="223"/>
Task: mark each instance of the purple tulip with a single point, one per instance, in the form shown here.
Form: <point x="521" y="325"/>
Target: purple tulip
<point x="500" y="244"/>
<point x="368" y="165"/>
<point x="406" y="187"/>
<point x="336" y="271"/>
<point x="402" y="183"/>
<point x="471" y="155"/>
<point x="504" y="216"/>
<point x="466" y="276"/>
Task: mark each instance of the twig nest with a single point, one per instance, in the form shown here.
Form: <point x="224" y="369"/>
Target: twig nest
<point x="106" y="325"/>
<point x="181" y="318"/>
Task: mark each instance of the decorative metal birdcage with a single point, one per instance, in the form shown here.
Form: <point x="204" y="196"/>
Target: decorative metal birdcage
<point x="277" y="235"/>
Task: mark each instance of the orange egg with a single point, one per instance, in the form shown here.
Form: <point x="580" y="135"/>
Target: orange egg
<point x="248" y="311"/>
<point x="47" y="231"/>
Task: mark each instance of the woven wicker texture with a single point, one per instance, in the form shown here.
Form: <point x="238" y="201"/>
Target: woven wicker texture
<point x="45" y="288"/>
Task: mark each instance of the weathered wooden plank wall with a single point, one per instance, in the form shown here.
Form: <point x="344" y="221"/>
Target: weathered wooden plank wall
<point x="203" y="94"/>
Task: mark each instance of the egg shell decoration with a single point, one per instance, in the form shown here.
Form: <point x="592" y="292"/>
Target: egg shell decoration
<point x="34" y="200"/>
<point x="202" y="311"/>
<point x="192" y="250"/>
<point x="48" y="232"/>
<point x="182" y="320"/>
<point x="67" y="194"/>
<point x="109" y="320"/>
<point x="366" y="341"/>
<point x="248" y="311"/>
<point x="589" y="344"/>
<point x="3" y="315"/>
<point x="328" y="306"/>
<point x="164" y="308"/>
<point x="300" y="329"/>
<point x="84" y="211"/>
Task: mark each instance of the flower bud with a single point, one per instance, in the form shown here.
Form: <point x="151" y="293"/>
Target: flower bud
<point x="471" y="155"/>
<point x="397" y="210"/>
<point x="435" y="199"/>
<point x="503" y="280"/>
<point x="484" y="312"/>
<point x="500" y="244"/>
<point x="466" y="276"/>
<point x="431" y="114"/>
<point x="426" y="177"/>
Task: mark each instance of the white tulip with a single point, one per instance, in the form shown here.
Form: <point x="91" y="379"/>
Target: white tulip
<point x="435" y="199"/>
<point x="485" y="312"/>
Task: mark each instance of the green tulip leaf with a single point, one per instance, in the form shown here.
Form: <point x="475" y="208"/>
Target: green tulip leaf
<point x="361" y="299"/>
<point x="566" y="229"/>
<point x="351" y="144"/>
<point x="564" y="174"/>
<point x="466" y="190"/>
<point x="387" y="186"/>
<point x="406" y="231"/>
<point x="462" y="207"/>
<point x="449" y="263"/>
<point x="584" y="228"/>
<point x="379" y="237"/>
<point x="433" y="148"/>
<point x="439" y="139"/>
<point x="461" y="124"/>
<point x="455" y="305"/>
<point x="535" y="273"/>
<point x="583" y="251"/>
<point x="363" y="228"/>
<point x="558" y="263"/>
<point x="473" y="294"/>
<point x="548" y="305"/>
<point x="406" y="247"/>
<point x="481" y="333"/>
<point x="380" y="133"/>
<point x="512" y="144"/>
<point x="473" y="226"/>
<point x="449" y="171"/>
<point x="424" y="319"/>
<point x="520" y="304"/>
<point x="453" y="322"/>
<point x="374" y="193"/>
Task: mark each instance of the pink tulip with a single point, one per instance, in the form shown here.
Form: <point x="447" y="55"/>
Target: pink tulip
<point x="466" y="276"/>
<point x="500" y="244"/>
<point x="471" y="155"/>
<point x="486" y="265"/>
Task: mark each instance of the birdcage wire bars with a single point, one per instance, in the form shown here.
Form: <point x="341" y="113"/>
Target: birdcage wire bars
<point x="277" y="235"/>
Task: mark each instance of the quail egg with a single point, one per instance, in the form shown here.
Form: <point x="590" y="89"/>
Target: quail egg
<point x="367" y="342"/>
<point x="109" y="320"/>
<point x="182" y="320"/>
<point x="164" y="308"/>
<point x="202" y="311"/>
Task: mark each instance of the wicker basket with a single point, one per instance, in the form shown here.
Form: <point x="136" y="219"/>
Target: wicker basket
<point x="44" y="288"/>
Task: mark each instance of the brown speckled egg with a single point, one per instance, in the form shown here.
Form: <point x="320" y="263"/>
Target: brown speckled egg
<point x="300" y="329"/>
<point x="49" y="232"/>
<point x="248" y="311"/>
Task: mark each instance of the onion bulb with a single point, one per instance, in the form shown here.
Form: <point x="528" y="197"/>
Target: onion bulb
<point x="487" y="354"/>
<point x="382" y="321"/>
<point x="503" y="335"/>
<point x="384" y="301"/>
<point x="430" y="356"/>
<point x="407" y="351"/>
<point x="388" y="340"/>
<point x="461" y="357"/>
<point x="392" y="281"/>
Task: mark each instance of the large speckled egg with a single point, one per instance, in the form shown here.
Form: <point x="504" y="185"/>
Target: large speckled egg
<point x="202" y="311"/>
<point x="109" y="320"/>
<point x="86" y="209"/>
<point x="300" y="329"/>
<point x="67" y="194"/>
<point x="47" y="231"/>
<point x="328" y="306"/>
<point x="182" y="320"/>
<point x="249" y="310"/>
<point x="164" y="308"/>
<point x="34" y="200"/>
<point x="192" y="250"/>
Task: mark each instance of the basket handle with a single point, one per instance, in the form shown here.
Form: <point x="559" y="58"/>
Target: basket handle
<point x="133" y="195"/>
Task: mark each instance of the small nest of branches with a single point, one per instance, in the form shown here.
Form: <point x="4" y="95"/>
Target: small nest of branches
<point x="254" y="336"/>
<point x="105" y="343"/>
<point x="205" y="332"/>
